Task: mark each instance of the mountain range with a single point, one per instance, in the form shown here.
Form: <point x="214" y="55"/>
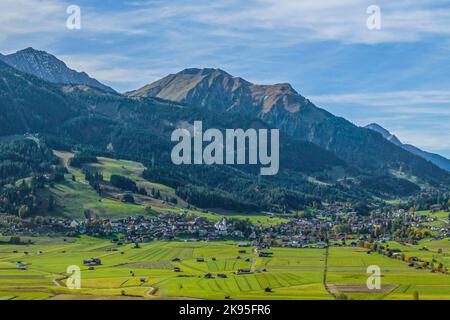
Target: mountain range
<point x="323" y="157"/>
<point x="281" y="106"/>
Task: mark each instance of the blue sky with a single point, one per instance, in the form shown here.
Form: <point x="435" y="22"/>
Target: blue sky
<point x="398" y="76"/>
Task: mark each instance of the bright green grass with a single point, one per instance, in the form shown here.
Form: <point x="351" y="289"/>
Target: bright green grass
<point x="348" y="266"/>
<point x="433" y="246"/>
<point x="442" y="215"/>
<point x="73" y="198"/>
<point x="291" y="273"/>
<point x="297" y="269"/>
<point x="130" y="169"/>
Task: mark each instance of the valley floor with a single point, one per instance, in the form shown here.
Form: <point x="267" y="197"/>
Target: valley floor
<point x="147" y="272"/>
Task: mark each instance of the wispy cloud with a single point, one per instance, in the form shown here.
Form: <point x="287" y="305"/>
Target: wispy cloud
<point x="287" y="21"/>
<point x="290" y="21"/>
<point x="21" y="20"/>
<point x="294" y="21"/>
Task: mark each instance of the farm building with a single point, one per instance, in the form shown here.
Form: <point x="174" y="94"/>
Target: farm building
<point x="92" y="262"/>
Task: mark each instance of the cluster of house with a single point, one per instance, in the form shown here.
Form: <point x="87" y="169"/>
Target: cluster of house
<point x="45" y="226"/>
<point x="297" y="232"/>
<point x="300" y="231"/>
<point x="167" y="226"/>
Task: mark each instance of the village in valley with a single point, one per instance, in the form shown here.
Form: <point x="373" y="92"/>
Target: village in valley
<point x="306" y="229"/>
<point x="333" y="226"/>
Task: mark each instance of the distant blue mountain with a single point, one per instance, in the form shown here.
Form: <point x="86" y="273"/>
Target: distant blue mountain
<point x="436" y="159"/>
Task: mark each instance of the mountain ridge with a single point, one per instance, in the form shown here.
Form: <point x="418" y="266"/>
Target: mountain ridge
<point x="436" y="159"/>
<point x="184" y="87"/>
<point x="47" y="67"/>
<point x="281" y="106"/>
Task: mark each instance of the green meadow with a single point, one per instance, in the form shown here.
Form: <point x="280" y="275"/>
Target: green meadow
<point x="347" y="268"/>
<point x="442" y="218"/>
<point x="147" y="272"/>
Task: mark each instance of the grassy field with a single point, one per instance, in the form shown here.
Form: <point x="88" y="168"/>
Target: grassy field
<point x="441" y="217"/>
<point x="438" y="215"/>
<point x="73" y="198"/>
<point x="348" y="266"/>
<point x="291" y="273"/>
<point x="426" y="249"/>
<point x="130" y="169"/>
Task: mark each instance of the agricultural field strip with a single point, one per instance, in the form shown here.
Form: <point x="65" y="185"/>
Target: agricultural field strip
<point x="277" y="277"/>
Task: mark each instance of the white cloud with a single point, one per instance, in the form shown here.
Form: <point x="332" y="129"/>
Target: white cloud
<point x="263" y="21"/>
<point x="30" y="17"/>
<point x="311" y="20"/>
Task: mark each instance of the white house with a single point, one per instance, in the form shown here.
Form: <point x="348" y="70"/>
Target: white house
<point x="221" y="226"/>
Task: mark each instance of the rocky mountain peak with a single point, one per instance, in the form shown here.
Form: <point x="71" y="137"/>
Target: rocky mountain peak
<point x="217" y="89"/>
<point x="49" y="68"/>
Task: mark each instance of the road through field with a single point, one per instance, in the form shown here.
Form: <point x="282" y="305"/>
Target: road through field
<point x="325" y="270"/>
<point x="255" y="256"/>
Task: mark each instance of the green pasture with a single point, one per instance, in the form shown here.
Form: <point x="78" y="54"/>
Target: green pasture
<point x="147" y="273"/>
<point x="348" y="267"/>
